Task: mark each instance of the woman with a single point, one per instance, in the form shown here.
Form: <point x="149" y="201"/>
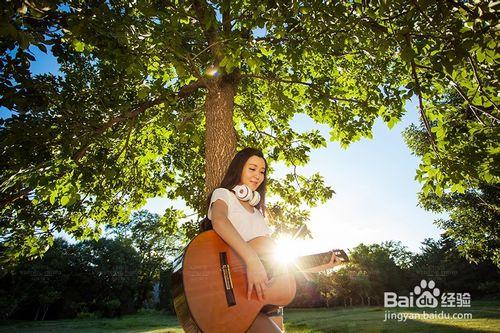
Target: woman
<point x="238" y="218"/>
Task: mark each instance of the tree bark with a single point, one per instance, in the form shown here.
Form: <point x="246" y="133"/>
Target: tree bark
<point x="45" y="309"/>
<point x="220" y="135"/>
<point x="37" y="312"/>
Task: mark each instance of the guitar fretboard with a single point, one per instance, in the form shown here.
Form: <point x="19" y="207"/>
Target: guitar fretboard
<point x="319" y="259"/>
<point x="313" y="260"/>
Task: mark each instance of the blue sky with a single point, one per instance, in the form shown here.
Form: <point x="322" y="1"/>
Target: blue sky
<point x="373" y="179"/>
<point x="375" y="189"/>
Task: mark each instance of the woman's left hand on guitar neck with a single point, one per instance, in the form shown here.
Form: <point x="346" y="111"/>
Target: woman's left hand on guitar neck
<point x="334" y="261"/>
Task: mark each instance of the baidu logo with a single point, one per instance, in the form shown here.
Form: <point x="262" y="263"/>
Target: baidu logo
<point x="426" y="295"/>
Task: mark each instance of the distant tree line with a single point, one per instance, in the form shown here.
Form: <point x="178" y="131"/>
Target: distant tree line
<point x="115" y="276"/>
<point x="106" y="277"/>
<point x="390" y="266"/>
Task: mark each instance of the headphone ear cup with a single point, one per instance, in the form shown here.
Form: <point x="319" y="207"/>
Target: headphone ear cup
<point x="255" y="199"/>
<point x="243" y="192"/>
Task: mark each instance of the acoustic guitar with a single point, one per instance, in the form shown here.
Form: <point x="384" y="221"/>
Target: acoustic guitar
<point x="210" y="286"/>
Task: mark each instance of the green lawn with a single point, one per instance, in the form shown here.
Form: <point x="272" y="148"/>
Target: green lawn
<point x="145" y="322"/>
<point x="485" y="318"/>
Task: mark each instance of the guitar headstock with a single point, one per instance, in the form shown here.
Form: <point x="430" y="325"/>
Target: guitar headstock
<point x="341" y="255"/>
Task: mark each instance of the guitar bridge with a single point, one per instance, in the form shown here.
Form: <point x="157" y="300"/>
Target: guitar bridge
<point x="226" y="272"/>
<point x="226" y="277"/>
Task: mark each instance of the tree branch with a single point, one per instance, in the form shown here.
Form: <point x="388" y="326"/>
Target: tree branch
<point x="242" y="108"/>
<point x="208" y="22"/>
<point x="416" y="5"/>
<point x="135" y="111"/>
<point x="226" y="17"/>
<point x="131" y="114"/>
<point x="15" y="197"/>
<point x="125" y="146"/>
<point x="309" y="84"/>
<point x="472" y="106"/>
<point x="477" y="117"/>
<point x="420" y="101"/>
<point x="476" y="76"/>
<point x="463" y="6"/>
<point x="276" y="79"/>
<point x="467" y="99"/>
<point x="184" y="92"/>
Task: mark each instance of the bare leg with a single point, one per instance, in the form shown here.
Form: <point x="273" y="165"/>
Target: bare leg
<point x="264" y="324"/>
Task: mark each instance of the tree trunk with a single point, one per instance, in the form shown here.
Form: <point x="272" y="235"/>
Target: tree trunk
<point x="45" y="309"/>
<point x="220" y="135"/>
<point x="37" y="312"/>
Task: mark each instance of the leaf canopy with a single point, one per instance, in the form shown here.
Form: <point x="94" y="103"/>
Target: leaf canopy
<point x="124" y="119"/>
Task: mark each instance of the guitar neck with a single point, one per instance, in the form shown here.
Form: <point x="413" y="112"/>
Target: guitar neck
<point x="315" y="260"/>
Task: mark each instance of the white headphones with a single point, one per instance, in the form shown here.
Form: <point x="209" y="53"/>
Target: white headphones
<point x="244" y="193"/>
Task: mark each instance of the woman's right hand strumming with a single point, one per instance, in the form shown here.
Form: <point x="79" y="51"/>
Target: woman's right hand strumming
<point x="257" y="277"/>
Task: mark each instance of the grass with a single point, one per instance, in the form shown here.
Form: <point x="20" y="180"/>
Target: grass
<point x="150" y="322"/>
<point x="485" y="318"/>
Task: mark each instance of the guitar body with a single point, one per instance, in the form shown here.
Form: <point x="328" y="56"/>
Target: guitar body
<point x="210" y="285"/>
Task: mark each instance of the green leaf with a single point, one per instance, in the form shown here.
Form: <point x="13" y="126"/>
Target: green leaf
<point x="65" y="200"/>
<point x="439" y="191"/>
<point x="253" y="64"/>
<point x="407" y="54"/>
<point x="78" y="46"/>
<point x="52" y="198"/>
<point x="392" y="121"/>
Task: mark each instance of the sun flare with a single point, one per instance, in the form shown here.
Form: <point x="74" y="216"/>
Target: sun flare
<point x="287" y="249"/>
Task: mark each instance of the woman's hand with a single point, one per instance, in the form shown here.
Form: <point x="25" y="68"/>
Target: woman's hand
<point x="335" y="260"/>
<point x="257" y="277"/>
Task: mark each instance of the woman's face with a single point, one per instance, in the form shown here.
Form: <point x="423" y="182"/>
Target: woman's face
<point x="253" y="172"/>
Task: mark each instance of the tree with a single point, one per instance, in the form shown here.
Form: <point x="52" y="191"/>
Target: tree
<point x="389" y="266"/>
<point x="441" y="261"/>
<point x="154" y="97"/>
<point x="157" y="240"/>
<point x="91" y="276"/>
<point x="377" y="264"/>
<point x="462" y="179"/>
<point x="34" y="288"/>
<point x="372" y="270"/>
<point x="327" y="287"/>
<point x="342" y="286"/>
<point x="114" y="265"/>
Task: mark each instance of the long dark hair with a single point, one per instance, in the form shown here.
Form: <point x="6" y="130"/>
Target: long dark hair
<point x="233" y="177"/>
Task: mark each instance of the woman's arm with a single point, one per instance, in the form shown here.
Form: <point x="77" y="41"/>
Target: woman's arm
<point x="256" y="273"/>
